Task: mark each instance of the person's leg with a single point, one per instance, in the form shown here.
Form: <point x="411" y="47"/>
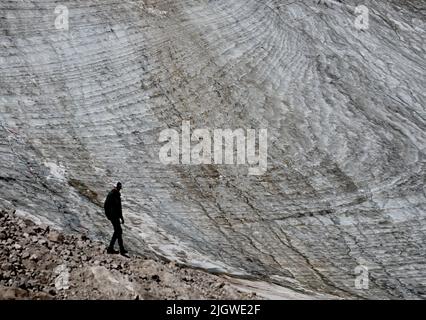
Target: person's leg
<point x="115" y="235"/>
<point x="120" y="239"/>
<point x="112" y="242"/>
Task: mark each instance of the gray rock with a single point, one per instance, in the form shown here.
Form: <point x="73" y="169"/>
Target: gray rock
<point x="12" y="293"/>
<point x="55" y="236"/>
<point x="34" y="257"/>
<point x="6" y="275"/>
<point x="80" y="244"/>
<point x="6" y="266"/>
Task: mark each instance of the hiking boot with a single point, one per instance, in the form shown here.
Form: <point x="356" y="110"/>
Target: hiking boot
<point x="124" y="253"/>
<point x="111" y="251"/>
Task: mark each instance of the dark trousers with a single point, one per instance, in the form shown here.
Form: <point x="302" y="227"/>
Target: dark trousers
<point x="118" y="235"/>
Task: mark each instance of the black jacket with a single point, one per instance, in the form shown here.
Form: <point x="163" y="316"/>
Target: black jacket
<point x="112" y="205"/>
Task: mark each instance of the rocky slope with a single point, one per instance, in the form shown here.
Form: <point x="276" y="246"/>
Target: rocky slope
<point x="345" y="112"/>
<point x="37" y="262"/>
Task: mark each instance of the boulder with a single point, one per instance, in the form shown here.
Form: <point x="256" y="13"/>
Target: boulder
<point x="12" y="293"/>
<point x="55" y="236"/>
<point x="34" y="257"/>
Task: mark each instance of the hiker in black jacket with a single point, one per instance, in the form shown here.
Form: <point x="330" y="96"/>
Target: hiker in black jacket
<point x="114" y="213"/>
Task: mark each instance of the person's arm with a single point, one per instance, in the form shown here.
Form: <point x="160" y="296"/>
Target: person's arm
<point x="120" y="211"/>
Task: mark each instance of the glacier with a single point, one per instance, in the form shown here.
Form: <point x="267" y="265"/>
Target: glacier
<point x="82" y="108"/>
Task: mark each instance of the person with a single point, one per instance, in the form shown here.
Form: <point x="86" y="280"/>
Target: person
<point x="114" y="214"/>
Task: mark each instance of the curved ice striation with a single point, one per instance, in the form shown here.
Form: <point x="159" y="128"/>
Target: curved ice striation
<point x="344" y="109"/>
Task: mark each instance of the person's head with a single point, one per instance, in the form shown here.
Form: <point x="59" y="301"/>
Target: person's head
<point x="119" y="186"/>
